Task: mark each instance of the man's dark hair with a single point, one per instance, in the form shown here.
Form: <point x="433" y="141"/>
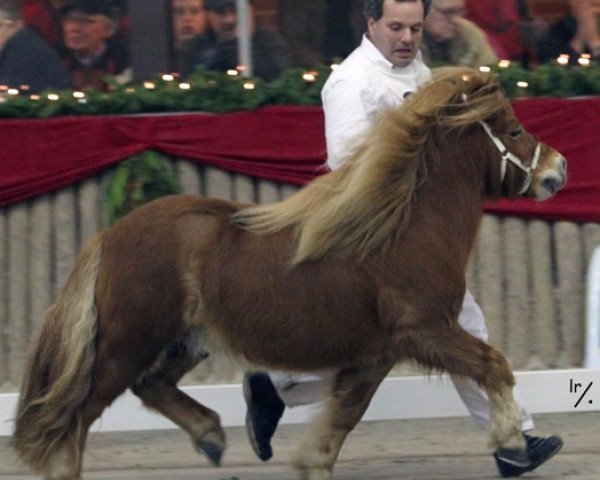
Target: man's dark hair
<point x="374" y="8"/>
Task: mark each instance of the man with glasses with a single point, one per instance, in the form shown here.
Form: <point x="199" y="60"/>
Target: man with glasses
<point x="450" y="39"/>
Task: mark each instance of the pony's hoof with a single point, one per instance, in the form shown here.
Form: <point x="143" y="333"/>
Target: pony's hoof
<point x="212" y="451"/>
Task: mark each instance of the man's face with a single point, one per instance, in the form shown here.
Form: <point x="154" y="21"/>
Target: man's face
<point x="189" y="19"/>
<point x="442" y="21"/>
<point x="397" y="34"/>
<point x="223" y="21"/>
<point x="85" y="34"/>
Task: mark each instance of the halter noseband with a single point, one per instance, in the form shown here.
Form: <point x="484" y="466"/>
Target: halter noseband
<point x="510" y="157"/>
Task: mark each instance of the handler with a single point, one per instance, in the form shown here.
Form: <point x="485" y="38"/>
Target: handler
<point x="378" y="75"/>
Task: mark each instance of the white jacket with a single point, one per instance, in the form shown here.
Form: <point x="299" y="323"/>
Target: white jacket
<point x="356" y="92"/>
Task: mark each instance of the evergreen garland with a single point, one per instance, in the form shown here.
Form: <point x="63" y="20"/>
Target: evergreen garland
<point x="213" y="92"/>
<point x="138" y="180"/>
<point x="149" y="175"/>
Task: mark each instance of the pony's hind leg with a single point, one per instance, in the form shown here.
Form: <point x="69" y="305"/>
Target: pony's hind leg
<point x="113" y="374"/>
<point x="157" y="388"/>
<point x="455" y="351"/>
<point x="352" y="391"/>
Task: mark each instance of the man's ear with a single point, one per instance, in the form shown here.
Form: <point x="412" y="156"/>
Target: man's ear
<point x="111" y="27"/>
<point x="370" y="23"/>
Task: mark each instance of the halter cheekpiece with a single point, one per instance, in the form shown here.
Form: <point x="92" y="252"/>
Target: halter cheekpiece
<point x="510" y="157"/>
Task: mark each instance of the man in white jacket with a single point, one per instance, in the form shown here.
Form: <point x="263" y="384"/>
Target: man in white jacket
<point x="378" y="75"/>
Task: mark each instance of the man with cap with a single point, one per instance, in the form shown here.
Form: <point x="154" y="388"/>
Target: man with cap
<point x="217" y="49"/>
<point x="92" y="50"/>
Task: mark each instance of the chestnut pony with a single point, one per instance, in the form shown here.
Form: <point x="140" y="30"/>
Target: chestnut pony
<point x="362" y="268"/>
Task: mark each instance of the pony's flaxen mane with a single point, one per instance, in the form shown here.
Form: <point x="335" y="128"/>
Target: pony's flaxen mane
<point x="355" y="209"/>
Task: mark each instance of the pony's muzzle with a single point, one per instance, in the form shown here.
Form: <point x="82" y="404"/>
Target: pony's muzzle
<point x="553" y="178"/>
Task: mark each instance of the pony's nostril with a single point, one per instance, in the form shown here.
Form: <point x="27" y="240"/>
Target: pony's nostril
<point x="552" y="184"/>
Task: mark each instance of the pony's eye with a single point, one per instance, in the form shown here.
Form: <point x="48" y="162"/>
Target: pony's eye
<point x="515" y="133"/>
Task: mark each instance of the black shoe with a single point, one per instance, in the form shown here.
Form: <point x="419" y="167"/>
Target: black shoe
<point x="265" y="408"/>
<point x="513" y="463"/>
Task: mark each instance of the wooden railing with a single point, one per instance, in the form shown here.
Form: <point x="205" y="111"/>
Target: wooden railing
<point x="528" y="275"/>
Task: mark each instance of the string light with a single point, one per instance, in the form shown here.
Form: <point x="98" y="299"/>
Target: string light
<point x="585" y="60"/>
<point x="167" y="77"/>
<point x="12" y="91"/>
<point x="185" y="86"/>
<point x="310" y="76"/>
<point x="149" y="85"/>
<point x="335" y="66"/>
<point x="249" y="86"/>
<point x="485" y="69"/>
<point x="504" y="63"/>
<point x="232" y="73"/>
<point x="34" y="97"/>
<point x="53" y="97"/>
<point x="563" y="59"/>
<point x="79" y="95"/>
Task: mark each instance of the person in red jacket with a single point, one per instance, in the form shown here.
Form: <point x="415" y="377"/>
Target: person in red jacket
<point x="504" y="23"/>
<point x="44" y="17"/>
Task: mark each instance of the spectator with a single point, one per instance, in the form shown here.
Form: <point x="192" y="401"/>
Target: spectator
<point x="505" y="24"/>
<point x="320" y="31"/>
<point x="25" y="58"/>
<point x="574" y="34"/>
<point x="189" y="20"/>
<point x="450" y="39"/>
<point x="217" y="49"/>
<point x="92" y="50"/>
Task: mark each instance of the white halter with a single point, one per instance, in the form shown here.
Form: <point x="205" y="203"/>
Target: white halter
<point x="510" y="157"/>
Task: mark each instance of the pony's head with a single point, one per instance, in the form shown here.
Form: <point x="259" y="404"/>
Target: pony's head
<point x="470" y="104"/>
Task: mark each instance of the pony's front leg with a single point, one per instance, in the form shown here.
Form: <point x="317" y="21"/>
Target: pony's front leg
<point x="352" y="391"/>
<point x="453" y="350"/>
<point x="505" y="417"/>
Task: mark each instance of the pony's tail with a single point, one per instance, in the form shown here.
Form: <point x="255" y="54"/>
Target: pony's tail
<point x="57" y="377"/>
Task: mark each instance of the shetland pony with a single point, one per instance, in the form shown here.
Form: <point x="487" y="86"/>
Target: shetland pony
<point x="360" y="269"/>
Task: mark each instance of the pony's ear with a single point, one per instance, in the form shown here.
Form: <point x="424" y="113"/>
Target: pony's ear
<point x="481" y="84"/>
<point x="494" y="83"/>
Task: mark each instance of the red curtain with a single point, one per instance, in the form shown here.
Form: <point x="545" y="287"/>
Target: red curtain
<point x="281" y="143"/>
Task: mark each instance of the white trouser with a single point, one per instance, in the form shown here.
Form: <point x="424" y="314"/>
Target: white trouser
<point x="305" y="389"/>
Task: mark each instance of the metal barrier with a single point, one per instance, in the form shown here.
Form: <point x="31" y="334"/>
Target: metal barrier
<point x="527" y="275"/>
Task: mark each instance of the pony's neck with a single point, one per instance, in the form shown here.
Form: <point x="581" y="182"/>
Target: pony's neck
<point x="449" y="203"/>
